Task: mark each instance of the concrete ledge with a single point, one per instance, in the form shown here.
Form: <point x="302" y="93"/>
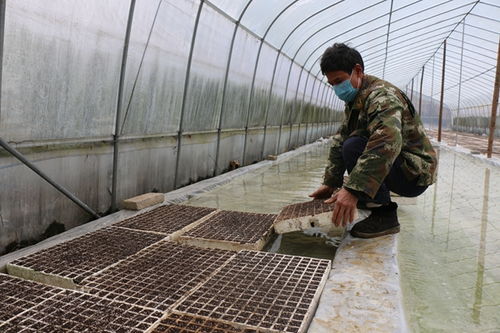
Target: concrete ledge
<point x="363" y="292"/>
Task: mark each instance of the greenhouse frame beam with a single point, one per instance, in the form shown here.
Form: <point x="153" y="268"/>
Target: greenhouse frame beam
<point x="184" y="94"/>
<point x="382" y="26"/>
<point x="335" y="22"/>
<point x="452" y="30"/>
<point x="387" y="39"/>
<point x="121" y="84"/>
<point x="405" y="35"/>
<point x="291" y="66"/>
<point x="494" y="105"/>
<point x="481" y="28"/>
<point x="441" y="100"/>
<point x="273" y="76"/>
<point x="224" y="90"/>
<point x="460" y="80"/>
<point x="252" y="89"/>
<point x="421" y="89"/>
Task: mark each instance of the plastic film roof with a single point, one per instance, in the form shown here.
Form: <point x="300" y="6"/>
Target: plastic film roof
<point x="396" y="38"/>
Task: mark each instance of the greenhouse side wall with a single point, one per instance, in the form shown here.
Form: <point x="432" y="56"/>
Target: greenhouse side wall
<point x="194" y="110"/>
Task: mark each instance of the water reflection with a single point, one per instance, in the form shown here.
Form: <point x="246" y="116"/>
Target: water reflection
<point x="449" y="258"/>
<point x="476" y="308"/>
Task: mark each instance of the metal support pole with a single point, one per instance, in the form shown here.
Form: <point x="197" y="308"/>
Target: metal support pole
<point x="224" y="90"/>
<point x="432" y="90"/>
<point x="58" y="187"/>
<point x="322" y="108"/>
<point x="301" y="102"/>
<point x="441" y="101"/>
<point x="268" y="106"/>
<point x="459" y="82"/>
<point x="184" y="95"/>
<point x="116" y="135"/>
<point x="253" y="81"/>
<point x="421" y="88"/>
<point x="411" y="92"/>
<point x="294" y="109"/>
<point x="494" y="105"/>
<point x="310" y="103"/>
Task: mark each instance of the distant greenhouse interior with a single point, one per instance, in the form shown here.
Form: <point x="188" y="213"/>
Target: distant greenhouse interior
<point x="112" y="99"/>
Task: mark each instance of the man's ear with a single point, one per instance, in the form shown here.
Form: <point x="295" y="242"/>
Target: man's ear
<point x="358" y="69"/>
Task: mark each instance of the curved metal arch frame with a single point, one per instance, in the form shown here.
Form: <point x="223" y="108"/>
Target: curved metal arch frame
<point x="427" y="18"/>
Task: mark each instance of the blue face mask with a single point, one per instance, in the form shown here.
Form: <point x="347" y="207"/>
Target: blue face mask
<point x="345" y="91"/>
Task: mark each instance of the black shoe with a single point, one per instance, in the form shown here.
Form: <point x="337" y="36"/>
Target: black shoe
<point x="382" y="221"/>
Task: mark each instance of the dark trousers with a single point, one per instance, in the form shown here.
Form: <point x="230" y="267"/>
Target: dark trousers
<point x="395" y="181"/>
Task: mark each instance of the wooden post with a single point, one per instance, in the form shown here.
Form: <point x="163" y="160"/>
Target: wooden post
<point x="440" y="124"/>
<point x="494" y="105"/>
<point x="421" y="88"/>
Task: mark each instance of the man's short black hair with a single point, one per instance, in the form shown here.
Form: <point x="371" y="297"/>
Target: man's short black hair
<point x="340" y="57"/>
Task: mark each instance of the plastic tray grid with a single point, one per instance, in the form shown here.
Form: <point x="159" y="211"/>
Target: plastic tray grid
<point x="166" y="219"/>
<point x="71" y="311"/>
<point x="234" y="226"/>
<point x="183" y="323"/>
<point x="27" y="306"/>
<point x="86" y="255"/>
<point x="17" y="295"/>
<point x="264" y="290"/>
<point x="310" y="208"/>
<point x="159" y="276"/>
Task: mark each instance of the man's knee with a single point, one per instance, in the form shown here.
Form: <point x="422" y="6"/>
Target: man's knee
<point x="353" y="147"/>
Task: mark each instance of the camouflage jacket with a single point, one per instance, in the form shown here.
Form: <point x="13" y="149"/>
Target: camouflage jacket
<point x="384" y="115"/>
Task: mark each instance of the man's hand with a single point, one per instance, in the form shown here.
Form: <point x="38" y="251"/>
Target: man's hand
<point x="345" y="207"/>
<point x="323" y="192"/>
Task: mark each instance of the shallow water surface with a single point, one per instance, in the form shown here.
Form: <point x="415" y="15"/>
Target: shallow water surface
<point x="449" y="249"/>
<point x="269" y="189"/>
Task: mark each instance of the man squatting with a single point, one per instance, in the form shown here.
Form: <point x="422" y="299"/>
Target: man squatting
<point x="381" y="143"/>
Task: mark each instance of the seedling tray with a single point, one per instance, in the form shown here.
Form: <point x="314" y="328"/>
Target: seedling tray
<point x="169" y="220"/>
<point x="304" y="215"/>
<point x="262" y="291"/>
<point x="158" y="276"/>
<point x="231" y="230"/>
<point x="27" y="306"/>
<point x="67" y="264"/>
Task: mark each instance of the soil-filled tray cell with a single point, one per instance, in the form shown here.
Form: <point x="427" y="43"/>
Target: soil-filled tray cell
<point x="166" y="219"/>
<point x="309" y="208"/>
<point x="71" y="311"/>
<point x="304" y="215"/>
<point x="67" y="264"/>
<point x="232" y="230"/>
<point x="17" y="296"/>
<point x="183" y="323"/>
<point x="276" y="293"/>
<point x="158" y="276"/>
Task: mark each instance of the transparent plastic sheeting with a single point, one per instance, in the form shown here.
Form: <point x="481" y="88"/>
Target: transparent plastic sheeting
<point x="62" y="61"/>
<point x="396" y="38"/>
<point x="62" y="66"/>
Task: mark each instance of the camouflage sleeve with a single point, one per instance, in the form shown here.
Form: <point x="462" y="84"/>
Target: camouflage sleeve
<point x="334" y="172"/>
<point x="384" y="110"/>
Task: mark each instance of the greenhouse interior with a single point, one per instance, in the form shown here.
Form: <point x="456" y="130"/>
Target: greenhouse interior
<point x="237" y="166"/>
